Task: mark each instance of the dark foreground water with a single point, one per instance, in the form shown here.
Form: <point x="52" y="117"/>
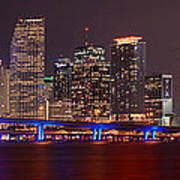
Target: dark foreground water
<point x="89" y="161"/>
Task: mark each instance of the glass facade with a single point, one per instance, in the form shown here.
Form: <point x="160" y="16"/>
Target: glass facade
<point x="60" y="110"/>
<point x="27" y="58"/>
<point x="90" y="84"/>
<point x="127" y="72"/>
<point x="62" y="79"/>
<point x="159" y="99"/>
<point x="48" y="88"/>
<point x="4" y="90"/>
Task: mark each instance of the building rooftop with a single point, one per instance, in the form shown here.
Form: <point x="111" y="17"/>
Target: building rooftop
<point x="127" y="40"/>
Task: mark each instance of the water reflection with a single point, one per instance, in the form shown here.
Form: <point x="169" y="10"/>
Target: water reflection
<point x="89" y="161"/>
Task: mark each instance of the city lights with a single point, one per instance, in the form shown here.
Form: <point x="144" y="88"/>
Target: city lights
<point x="91" y="94"/>
<point x="27" y="67"/>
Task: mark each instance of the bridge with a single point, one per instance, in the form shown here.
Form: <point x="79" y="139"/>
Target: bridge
<point x="96" y="128"/>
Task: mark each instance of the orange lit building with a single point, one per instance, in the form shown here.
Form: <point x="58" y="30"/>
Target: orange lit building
<point x="27" y="58"/>
<point x="4" y="90"/>
<point x="90" y="84"/>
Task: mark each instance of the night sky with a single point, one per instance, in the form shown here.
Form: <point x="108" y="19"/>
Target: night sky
<point x="158" y="22"/>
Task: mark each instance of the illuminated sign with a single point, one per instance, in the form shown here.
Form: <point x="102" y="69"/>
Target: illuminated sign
<point x="48" y="78"/>
<point x="167" y="88"/>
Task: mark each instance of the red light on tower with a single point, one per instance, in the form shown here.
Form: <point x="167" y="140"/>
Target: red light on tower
<point x="86" y="29"/>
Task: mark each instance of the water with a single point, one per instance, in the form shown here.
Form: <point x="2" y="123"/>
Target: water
<point x="89" y="161"/>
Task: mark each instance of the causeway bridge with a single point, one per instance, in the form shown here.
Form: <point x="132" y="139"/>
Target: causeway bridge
<point x="149" y="131"/>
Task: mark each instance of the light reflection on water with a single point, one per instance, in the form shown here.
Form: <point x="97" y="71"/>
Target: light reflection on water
<point x="89" y="161"/>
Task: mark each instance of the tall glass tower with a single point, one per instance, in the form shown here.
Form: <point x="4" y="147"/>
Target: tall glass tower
<point x="4" y="90"/>
<point x="90" y="84"/>
<point x="127" y="72"/>
<point x="62" y="78"/>
<point x="27" y="56"/>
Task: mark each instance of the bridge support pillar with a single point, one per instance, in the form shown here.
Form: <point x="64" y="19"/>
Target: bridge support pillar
<point x="146" y="135"/>
<point x="94" y="134"/>
<point x="40" y="132"/>
<point x="153" y="133"/>
<point x="18" y="139"/>
<point x="99" y="134"/>
<point x="80" y="138"/>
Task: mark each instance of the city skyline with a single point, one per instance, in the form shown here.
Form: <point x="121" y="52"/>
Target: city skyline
<point x="90" y="89"/>
<point x="106" y="21"/>
<point x="128" y="60"/>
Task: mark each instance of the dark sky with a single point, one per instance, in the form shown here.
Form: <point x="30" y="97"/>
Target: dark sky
<point x="158" y="21"/>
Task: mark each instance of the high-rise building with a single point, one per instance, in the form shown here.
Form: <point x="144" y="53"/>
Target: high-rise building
<point x="62" y="79"/>
<point x="4" y="90"/>
<point x="48" y="88"/>
<point x="127" y="72"/>
<point x="159" y="99"/>
<point x="90" y="84"/>
<point x="27" y="59"/>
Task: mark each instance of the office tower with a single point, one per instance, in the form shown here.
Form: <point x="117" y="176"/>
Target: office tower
<point x="159" y="99"/>
<point x="27" y="58"/>
<point x="48" y="88"/>
<point x="127" y="72"/>
<point x="60" y="108"/>
<point x="90" y="84"/>
<point x="62" y="78"/>
<point x="4" y="91"/>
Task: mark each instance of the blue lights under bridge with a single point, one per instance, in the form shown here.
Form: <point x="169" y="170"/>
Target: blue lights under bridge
<point x="96" y="128"/>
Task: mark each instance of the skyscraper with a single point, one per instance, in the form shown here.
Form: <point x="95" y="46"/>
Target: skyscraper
<point x="159" y="98"/>
<point x="127" y="72"/>
<point x="27" y="58"/>
<point x="90" y="84"/>
<point x="4" y="90"/>
<point x="62" y="78"/>
<point x="48" y="88"/>
<point x="60" y="108"/>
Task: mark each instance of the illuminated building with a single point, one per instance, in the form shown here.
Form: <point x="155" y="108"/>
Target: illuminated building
<point x="127" y="72"/>
<point x="48" y="87"/>
<point x="90" y="84"/>
<point x="60" y="110"/>
<point x="159" y="98"/>
<point x="27" y="58"/>
<point x="62" y="78"/>
<point x="4" y="90"/>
